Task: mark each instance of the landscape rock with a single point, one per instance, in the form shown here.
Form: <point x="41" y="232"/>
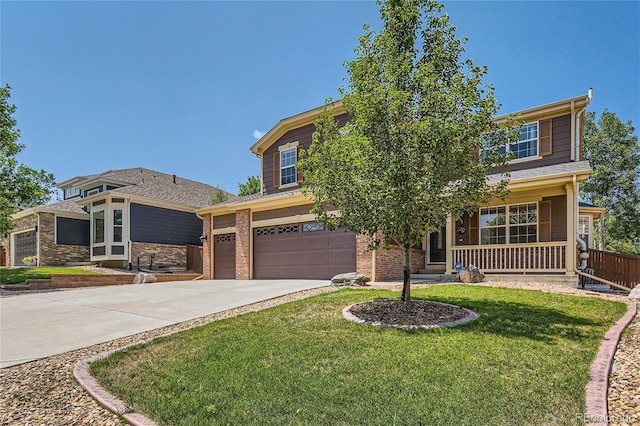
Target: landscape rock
<point x="635" y="293"/>
<point x="143" y="278"/>
<point x="471" y="274"/>
<point x="350" y="279"/>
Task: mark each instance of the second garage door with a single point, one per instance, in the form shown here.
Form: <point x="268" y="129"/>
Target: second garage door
<point x="302" y="250"/>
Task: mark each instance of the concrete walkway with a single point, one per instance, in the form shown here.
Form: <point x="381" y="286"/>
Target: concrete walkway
<point x="35" y="326"/>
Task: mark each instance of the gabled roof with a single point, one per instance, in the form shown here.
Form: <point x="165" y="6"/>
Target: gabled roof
<point x="290" y="123"/>
<point x="68" y="208"/>
<point x="152" y="185"/>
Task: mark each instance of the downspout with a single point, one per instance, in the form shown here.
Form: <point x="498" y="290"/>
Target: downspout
<point x="584" y="254"/>
<point x="576" y="142"/>
<point x="38" y="239"/>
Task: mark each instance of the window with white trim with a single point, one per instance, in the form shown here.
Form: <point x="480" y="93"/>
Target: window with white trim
<point x="288" y="173"/>
<point x="514" y="224"/>
<point x="584" y="229"/>
<point x="526" y="145"/>
<point x="117" y="226"/>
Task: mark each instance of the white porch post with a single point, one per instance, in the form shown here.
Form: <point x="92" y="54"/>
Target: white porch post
<point x="571" y="227"/>
<point x="450" y="229"/>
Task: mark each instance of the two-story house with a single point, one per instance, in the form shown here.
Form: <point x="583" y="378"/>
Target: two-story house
<point x="273" y="235"/>
<point x="116" y="218"/>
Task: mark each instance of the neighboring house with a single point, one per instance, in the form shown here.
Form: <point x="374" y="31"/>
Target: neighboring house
<point x="116" y="218"/>
<point x="273" y="235"/>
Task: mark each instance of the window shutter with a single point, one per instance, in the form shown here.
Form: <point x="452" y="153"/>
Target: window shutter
<point x="545" y="137"/>
<point x="276" y="170"/>
<point x="298" y="169"/>
<point x="544" y="221"/>
<point x="474" y="233"/>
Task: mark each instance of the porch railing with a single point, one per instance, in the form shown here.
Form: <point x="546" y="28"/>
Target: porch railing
<point x="531" y="257"/>
<point x="618" y="268"/>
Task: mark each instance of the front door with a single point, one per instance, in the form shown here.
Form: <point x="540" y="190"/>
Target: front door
<point x="438" y="246"/>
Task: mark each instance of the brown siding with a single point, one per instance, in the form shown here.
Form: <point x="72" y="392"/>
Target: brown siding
<point x="558" y="217"/>
<point x="224" y="221"/>
<point x="560" y="150"/>
<point x="303" y="136"/>
<point x="285" y="212"/>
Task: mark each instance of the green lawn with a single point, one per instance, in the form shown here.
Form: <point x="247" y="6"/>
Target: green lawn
<point x="20" y="275"/>
<point x="524" y="361"/>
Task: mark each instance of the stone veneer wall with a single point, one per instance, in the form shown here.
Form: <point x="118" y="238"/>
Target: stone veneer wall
<point x="168" y="254"/>
<point x="243" y="244"/>
<point x="206" y="247"/>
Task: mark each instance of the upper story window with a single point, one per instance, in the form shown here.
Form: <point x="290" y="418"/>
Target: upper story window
<point x="526" y="146"/>
<point x="512" y="224"/>
<point x="71" y="192"/>
<point x="288" y="173"/>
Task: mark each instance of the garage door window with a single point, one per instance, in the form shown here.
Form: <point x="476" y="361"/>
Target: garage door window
<point x="312" y="227"/>
<point x="287" y="229"/>
<point x="265" y="231"/>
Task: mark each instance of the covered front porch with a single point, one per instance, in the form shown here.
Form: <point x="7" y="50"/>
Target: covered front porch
<point x="532" y="231"/>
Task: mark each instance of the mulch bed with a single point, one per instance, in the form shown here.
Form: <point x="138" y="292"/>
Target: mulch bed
<point x="413" y="313"/>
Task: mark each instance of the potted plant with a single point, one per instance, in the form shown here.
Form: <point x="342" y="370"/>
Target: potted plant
<point x="30" y="260"/>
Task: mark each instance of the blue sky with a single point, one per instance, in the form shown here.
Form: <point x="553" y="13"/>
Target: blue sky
<point x="185" y="87"/>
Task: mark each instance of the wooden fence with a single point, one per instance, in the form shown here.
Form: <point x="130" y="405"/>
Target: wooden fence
<point x="618" y="268"/>
<point x="194" y="258"/>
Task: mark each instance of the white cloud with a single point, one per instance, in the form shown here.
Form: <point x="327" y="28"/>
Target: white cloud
<point x="257" y="134"/>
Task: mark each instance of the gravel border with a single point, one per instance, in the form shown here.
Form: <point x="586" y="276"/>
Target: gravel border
<point x="44" y="392"/>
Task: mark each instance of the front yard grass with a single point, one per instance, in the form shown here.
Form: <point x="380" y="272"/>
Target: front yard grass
<point x="525" y="360"/>
<point x="20" y="275"/>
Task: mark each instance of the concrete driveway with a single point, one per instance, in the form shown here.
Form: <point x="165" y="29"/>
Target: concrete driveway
<point x="35" y="326"/>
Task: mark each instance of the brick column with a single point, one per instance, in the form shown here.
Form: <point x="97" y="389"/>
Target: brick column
<point x="364" y="257"/>
<point x="207" y="253"/>
<point x="243" y="244"/>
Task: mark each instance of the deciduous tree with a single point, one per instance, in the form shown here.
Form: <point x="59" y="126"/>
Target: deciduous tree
<point x="20" y="186"/>
<point x="251" y="186"/>
<point x="614" y="154"/>
<point x="421" y="139"/>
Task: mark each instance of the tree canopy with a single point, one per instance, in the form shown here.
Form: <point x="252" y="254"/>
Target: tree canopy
<point x="20" y="186"/>
<point x="614" y="154"/>
<point x="421" y="138"/>
<point x="251" y="186"/>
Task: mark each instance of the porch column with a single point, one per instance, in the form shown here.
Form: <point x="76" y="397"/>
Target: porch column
<point x="244" y="270"/>
<point x="450" y="240"/>
<point x="571" y="228"/>
<point x="207" y="246"/>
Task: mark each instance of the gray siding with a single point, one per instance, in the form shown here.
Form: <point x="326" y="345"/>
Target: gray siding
<point x="163" y="226"/>
<point x="72" y="232"/>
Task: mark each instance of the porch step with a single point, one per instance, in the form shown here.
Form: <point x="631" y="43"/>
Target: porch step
<point x="433" y="278"/>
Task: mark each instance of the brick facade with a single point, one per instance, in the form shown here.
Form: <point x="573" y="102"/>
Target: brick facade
<point x="364" y="256"/>
<point x="167" y="254"/>
<point x="50" y="253"/>
<point x="390" y="263"/>
<point x="243" y="244"/>
<point x="206" y="247"/>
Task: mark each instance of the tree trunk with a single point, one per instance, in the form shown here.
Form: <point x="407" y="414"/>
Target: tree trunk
<point x="406" y="282"/>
